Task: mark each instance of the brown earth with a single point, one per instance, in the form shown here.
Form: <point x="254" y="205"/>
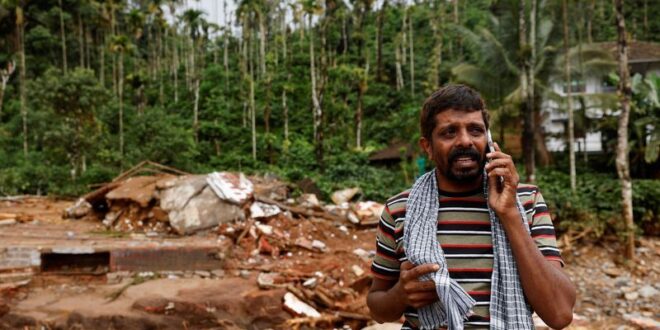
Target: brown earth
<point x="611" y="294"/>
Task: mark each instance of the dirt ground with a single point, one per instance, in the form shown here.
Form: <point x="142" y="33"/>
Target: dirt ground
<point x="611" y="295"/>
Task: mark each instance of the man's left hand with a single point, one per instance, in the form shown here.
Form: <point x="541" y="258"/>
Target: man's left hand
<point x="502" y="195"/>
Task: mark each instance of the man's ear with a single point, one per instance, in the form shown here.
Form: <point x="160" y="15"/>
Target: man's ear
<point x="425" y="144"/>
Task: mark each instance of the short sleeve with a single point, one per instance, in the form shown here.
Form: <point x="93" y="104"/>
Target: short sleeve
<point x="386" y="263"/>
<point x="542" y="229"/>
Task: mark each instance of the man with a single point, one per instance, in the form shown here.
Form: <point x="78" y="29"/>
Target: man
<point x="460" y="275"/>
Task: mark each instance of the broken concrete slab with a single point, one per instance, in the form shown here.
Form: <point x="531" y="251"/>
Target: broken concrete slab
<point x="139" y="189"/>
<point x="231" y="187"/>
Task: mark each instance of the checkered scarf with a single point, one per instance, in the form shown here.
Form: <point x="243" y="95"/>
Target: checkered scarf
<point x="508" y="309"/>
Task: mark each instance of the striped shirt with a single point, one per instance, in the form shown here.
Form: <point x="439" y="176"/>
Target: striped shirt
<point x="464" y="234"/>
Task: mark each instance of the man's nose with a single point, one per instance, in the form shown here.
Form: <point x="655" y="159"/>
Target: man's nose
<point x="464" y="139"/>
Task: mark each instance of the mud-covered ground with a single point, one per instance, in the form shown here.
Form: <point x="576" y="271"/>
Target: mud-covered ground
<point x="611" y="293"/>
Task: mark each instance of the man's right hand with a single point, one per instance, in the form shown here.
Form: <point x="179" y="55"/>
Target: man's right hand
<point x="411" y="290"/>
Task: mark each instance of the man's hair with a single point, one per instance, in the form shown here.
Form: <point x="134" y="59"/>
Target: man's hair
<point x="456" y="97"/>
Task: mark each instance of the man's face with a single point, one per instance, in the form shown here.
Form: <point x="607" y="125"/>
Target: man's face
<point x="458" y="145"/>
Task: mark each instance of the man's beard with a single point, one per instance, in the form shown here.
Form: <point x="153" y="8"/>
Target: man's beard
<point x="464" y="175"/>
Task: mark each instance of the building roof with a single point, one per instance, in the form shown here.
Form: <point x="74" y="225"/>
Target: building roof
<point x="393" y="152"/>
<point x="638" y="51"/>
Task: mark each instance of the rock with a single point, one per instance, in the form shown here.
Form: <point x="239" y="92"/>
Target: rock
<point x="203" y="273"/>
<point x="78" y="210"/>
<point x="647" y="291"/>
<point x="309" y="200"/>
<point x="263" y="210"/>
<point x="193" y="206"/>
<point x="631" y="296"/>
<point x="297" y="307"/>
<point x="613" y="272"/>
<point x="310" y="283"/>
<point x="369" y="212"/>
<point x="316" y="244"/>
<point x="641" y="321"/>
<point x="357" y="270"/>
<point x="266" y="280"/>
<point x="218" y="273"/>
<point x="352" y="217"/>
<point x="344" y="195"/>
<point x="265" y="229"/>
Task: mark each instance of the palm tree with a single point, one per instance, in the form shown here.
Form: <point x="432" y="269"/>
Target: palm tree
<point x="120" y="44"/>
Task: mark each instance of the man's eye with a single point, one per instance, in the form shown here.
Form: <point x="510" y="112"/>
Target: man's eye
<point x="477" y="130"/>
<point x="448" y="133"/>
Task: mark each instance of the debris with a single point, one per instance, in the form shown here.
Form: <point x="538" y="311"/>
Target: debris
<point x="309" y="200"/>
<point x="78" y="210"/>
<point x="310" y="283"/>
<point x="297" y="307"/>
<point x="263" y="210"/>
<point x="647" y="291"/>
<point x="357" y="270"/>
<point x="265" y="229"/>
<point x="368" y="212"/>
<point x="139" y="189"/>
<point x="352" y="217"/>
<point x="236" y="189"/>
<point x="362" y="253"/>
<point x="614" y="272"/>
<point x="316" y="244"/>
<point x="344" y="195"/>
<point x="301" y="210"/>
<point x="7" y="222"/>
<point x="641" y="321"/>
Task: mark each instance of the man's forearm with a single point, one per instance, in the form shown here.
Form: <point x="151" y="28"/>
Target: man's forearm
<point x="540" y="278"/>
<point x="385" y="306"/>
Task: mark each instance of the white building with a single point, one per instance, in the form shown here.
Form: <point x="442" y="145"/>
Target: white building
<point x="643" y="58"/>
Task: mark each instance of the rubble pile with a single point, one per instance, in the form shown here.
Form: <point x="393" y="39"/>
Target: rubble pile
<point x="185" y="203"/>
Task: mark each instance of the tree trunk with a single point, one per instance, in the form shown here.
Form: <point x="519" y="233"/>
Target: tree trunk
<point x="459" y="42"/>
<point x="262" y="45"/>
<point x="21" y="54"/>
<point x="527" y="109"/>
<point x="81" y="44"/>
<point x="315" y="99"/>
<point x="285" y="109"/>
<point x="569" y="99"/>
<point x="102" y="59"/>
<point x="63" y="39"/>
<point x="196" y="109"/>
<point x="120" y="92"/>
<point x="589" y="16"/>
<point x="412" y="57"/>
<point x="436" y="55"/>
<point x="4" y="76"/>
<point x="379" y="43"/>
<point x="399" y="72"/>
<point x="175" y="65"/>
<point x="622" y="161"/>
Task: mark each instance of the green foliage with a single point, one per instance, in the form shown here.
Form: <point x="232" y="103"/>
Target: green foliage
<point x="597" y="202"/>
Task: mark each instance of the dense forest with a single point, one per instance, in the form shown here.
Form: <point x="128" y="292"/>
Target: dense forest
<point x="301" y="89"/>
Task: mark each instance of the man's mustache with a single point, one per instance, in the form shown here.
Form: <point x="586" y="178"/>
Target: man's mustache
<point x="467" y="152"/>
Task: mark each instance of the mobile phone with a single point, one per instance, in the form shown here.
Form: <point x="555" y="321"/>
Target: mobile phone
<point x="491" y="148"/>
